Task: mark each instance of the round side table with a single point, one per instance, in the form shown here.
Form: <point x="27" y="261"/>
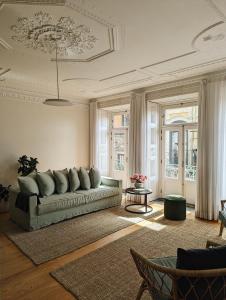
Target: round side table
<point x="139" y="192"/>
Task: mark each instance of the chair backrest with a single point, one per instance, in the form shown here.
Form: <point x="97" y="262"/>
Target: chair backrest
<point x="181" y="284"/>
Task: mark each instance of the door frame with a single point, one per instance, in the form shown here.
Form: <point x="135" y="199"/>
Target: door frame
<point x="180" y="178"/>
<point x="120" y="129"/>
<point x="181" y="128"/>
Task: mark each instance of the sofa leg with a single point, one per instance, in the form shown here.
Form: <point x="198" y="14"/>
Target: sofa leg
<point x="221" y="228"/>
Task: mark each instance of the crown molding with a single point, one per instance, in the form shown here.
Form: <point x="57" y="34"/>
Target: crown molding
<point x="125" y="95"/>
<point x="189" y="84"/>
<point x="193" y="80"/>
<point x="33" y="97"/>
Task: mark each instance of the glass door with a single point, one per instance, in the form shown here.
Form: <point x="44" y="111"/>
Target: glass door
<point x="172" y="175"/>
<point x="119" y="155"/>
<point x="190" y="163"/>
<point x="119" y="147"/>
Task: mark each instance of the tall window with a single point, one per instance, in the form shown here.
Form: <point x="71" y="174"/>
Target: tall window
<point x="119" y="146"/>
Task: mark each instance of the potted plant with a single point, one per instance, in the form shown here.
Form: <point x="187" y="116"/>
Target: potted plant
<point x="4" y="195"/>
<point x="27" y="165"/>
<point x="138" y="180"/>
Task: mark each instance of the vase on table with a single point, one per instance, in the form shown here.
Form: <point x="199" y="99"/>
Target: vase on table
<point x="139" y="185"/>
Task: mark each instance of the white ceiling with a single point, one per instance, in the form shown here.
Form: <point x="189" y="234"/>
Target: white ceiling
<point x="136" y="43"/>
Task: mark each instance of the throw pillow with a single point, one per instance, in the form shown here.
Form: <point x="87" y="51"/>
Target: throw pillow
<point x="84" y="179"/>
<point x="73" y="180"/>
<point x="28" y="185"/>
<point x="201" y="259"/>
<point x="46" y="183"/>
<point x="95" y="178"/>
<point x="61" y="180"/>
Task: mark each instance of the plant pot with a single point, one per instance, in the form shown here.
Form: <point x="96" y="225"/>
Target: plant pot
<point x="139" y="185"/>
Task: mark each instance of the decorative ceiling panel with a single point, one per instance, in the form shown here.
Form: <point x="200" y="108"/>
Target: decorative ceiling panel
<point x="34" y="29"/>
<point x="40" y="32"/>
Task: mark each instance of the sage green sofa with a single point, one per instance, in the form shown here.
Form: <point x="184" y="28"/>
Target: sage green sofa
<point x="58" y="207"/>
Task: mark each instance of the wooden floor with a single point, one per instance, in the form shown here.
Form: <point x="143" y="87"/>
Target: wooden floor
<point x="21" y="279"/>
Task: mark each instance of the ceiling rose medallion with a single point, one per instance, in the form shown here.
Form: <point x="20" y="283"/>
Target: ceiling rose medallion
<point x="41" y="32"/>
<point x="63" y="37"/>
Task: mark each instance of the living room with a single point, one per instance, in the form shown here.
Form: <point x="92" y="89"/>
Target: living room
<point x="113" y="149"/>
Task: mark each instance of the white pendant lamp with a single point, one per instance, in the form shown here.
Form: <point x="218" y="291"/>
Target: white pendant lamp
<point x="57" y="101"/>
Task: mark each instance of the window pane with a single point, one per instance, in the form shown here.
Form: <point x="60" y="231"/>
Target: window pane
<point x="191" y="145"/>
<point x="171" y="154"/>
<point x="119" y="151"/>
<point x="120" y="120"/>
<point x="181" y="115"/>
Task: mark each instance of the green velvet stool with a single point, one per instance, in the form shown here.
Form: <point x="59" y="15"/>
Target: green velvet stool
<point x="175" y="207"/>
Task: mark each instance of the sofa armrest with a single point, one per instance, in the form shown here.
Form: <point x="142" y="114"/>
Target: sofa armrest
<point x="13" y="192"/>
<point x="111" y="182"/>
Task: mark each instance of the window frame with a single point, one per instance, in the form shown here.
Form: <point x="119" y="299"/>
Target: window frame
<point x="178" y="105"/>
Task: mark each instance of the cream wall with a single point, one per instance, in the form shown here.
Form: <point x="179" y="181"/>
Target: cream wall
<point x="57" y="136"/>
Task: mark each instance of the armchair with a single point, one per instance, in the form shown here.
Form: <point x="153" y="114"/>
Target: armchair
<point x="222" y="217"/>
<point x="164" y="282"/>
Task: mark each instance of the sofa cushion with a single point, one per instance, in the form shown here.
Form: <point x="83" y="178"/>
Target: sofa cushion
<point x="73" y="179"/>
<point x="95" y="178"/>
<point x="46" y="183"/>
<point x="61" y="180"/>
<point x="84" y="179"/>
<point x="59" y="202"/>
<point x="28" y="184"/>
<point x="98" y="193"/>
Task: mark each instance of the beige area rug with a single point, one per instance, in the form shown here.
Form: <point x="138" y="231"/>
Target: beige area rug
<point x="109" y="273"/>
<point x="62" y="238"/>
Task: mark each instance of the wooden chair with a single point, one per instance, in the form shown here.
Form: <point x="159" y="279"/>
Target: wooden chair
<point x="222" y="217"/>
<point x="164" y="282"/>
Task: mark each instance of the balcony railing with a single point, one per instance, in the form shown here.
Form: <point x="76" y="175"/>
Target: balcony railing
<point x="172" y="171"/>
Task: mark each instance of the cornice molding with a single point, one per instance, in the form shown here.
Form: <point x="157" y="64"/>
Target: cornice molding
<point x="31" y="96"/>
<point x="125" y="95"/>
<point x="189" y="84"/>
<point x="185" y="81"/>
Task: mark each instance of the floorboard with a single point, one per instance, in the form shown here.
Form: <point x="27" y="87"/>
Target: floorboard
<point x="21" y="279"/>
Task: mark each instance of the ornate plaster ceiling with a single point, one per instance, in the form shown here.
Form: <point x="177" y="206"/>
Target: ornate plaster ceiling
<point x="108" y="46"/>
<point x="40" y="32"/>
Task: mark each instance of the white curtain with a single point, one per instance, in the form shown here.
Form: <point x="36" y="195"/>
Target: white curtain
<point x="212" y="148"/>
<point x="93" y="117"/>
<point x="137" y="134"/>
<point x="103" y="141"/>
<point x="153" y="148"/>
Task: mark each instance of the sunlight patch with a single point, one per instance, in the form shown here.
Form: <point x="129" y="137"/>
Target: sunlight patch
<point x="132" y="220"/>
<point x="152" y="225"/>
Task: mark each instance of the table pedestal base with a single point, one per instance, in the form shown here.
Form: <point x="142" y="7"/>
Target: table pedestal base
<point x="147" y="208"/>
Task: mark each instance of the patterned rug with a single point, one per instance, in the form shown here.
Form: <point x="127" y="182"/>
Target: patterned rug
<point x="109" y="273"/>
<point x="70" y="235"/>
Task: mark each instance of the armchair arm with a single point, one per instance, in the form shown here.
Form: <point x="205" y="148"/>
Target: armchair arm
<point x="222" y="204"/>
<point x="111" y="182"/>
